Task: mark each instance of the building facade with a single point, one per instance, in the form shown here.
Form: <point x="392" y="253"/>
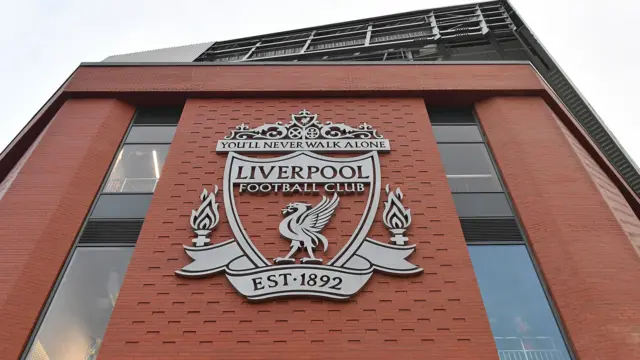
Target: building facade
<point x="422" y="185"/>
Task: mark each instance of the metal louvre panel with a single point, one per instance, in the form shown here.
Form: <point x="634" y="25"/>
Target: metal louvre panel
<point x="490" y="229"/>
<point x="272" y="52"/>
<point x="607" y="145"/>
<point x="115" y="232"/>
<point x="399" y="35"/>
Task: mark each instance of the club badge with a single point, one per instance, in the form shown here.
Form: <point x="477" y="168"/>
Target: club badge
<point x="304" y="169"/>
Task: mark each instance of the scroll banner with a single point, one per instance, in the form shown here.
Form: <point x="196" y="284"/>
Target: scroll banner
<point x="258" y="283"/>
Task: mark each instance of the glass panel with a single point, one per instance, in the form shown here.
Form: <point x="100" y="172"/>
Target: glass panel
<point x="469" y="168"/>
<point x="451" y="115"/>
<point x="158" y="115"/>
<point x="151" y="134"/>
<point x="478" y="205"/>
<point x="122" y="206"/>
<point x="521" y="320"/>
<point x="137" y="168"/>
<point x="77" y="319"/>
<point x="461" y="134"/>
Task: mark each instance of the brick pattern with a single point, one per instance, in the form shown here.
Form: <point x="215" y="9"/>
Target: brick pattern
<point x="619" y="207"/>
<point x="278" y="79"/>
<point x="44" y="208"/>
<point x="8" y="180"/>
<point x="438" y="314"/>
<point x="582" y="249"/>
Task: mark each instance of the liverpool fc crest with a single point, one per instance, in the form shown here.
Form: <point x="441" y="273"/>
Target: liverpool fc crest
<point x="323" y="194"/>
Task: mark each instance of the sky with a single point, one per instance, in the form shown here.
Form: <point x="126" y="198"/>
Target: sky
<point x="43" y="41"/>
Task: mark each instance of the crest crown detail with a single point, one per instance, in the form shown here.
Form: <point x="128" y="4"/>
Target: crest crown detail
<point x="303" y="126"/>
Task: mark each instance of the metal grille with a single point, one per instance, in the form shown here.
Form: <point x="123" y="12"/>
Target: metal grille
<point x="496" y="229"/>
<point x="490" y="31"/>
<point x="408" y="31"/>
<point x="111" y="232"/>
<point x="528" y="348"/>
<point x="531" y="355"/>
<point x="578" y="107"/>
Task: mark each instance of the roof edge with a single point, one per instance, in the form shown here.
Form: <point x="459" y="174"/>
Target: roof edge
<point x="306" y="63"/>
<point x="13" y="152"/>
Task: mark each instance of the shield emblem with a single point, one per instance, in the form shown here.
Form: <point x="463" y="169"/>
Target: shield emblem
<point x="249" y="176"/>
<point x="271" y="200"/>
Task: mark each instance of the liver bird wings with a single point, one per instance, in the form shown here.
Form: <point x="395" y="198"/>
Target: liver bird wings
<point x="317" y="218"/>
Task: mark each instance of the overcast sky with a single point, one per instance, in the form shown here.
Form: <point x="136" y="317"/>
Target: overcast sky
<point x="43" y="41"/>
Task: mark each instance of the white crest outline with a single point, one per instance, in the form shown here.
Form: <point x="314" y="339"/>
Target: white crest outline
<point x="356" y="239"/>
<point x="243" y="263"/>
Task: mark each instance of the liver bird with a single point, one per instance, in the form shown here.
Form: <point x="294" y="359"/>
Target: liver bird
<point x="303" y="225"/>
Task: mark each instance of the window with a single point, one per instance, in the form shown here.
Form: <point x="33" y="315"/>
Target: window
<point x="137" y="168"/>
<point x="151" y="134"/>
<point x="117" y="206"/>
<point x="139" y="163"/>
<point x="77" y="318"/>
<point x="481" y="205"/>
<point x="469" y="168"/>
<point x="522" y="322"/>
<point x="520" y="316"/>
<point x="169" y="115"/>
<point x="451" y="115"/>
<point x="459" y="134"/>
<point x="473" y="180"/>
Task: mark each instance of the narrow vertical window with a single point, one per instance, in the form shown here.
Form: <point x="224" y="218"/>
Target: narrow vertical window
<point x="521" y="319"/>
<point x="137" y="168"/>
<point x="74" y="321"/>
<point x="78" y="315"/>
<point x="520" y="314"/>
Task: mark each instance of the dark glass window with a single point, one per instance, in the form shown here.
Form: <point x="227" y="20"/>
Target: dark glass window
<point x="151" y="134"/>
<point x="469" y="168"/>
<point x="77" y="319"/>
<point x="128" y="206"/>
<point x="459" y="134"/>
<point x="451" y="115"/>
<point x="137" y="168"/>
<point x="482" y="205"/>
<point x="157" y="116"/>
<point x="521" y="320"/>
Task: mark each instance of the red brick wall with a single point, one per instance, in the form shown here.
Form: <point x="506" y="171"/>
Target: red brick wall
<point x="618" y="205"/>
<point x="299" y="79"/>
<point x="585" y="256"/>
<point x="42" y="211"/>
<point x="11" y="176"/>
<point x="437" y="315"/>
